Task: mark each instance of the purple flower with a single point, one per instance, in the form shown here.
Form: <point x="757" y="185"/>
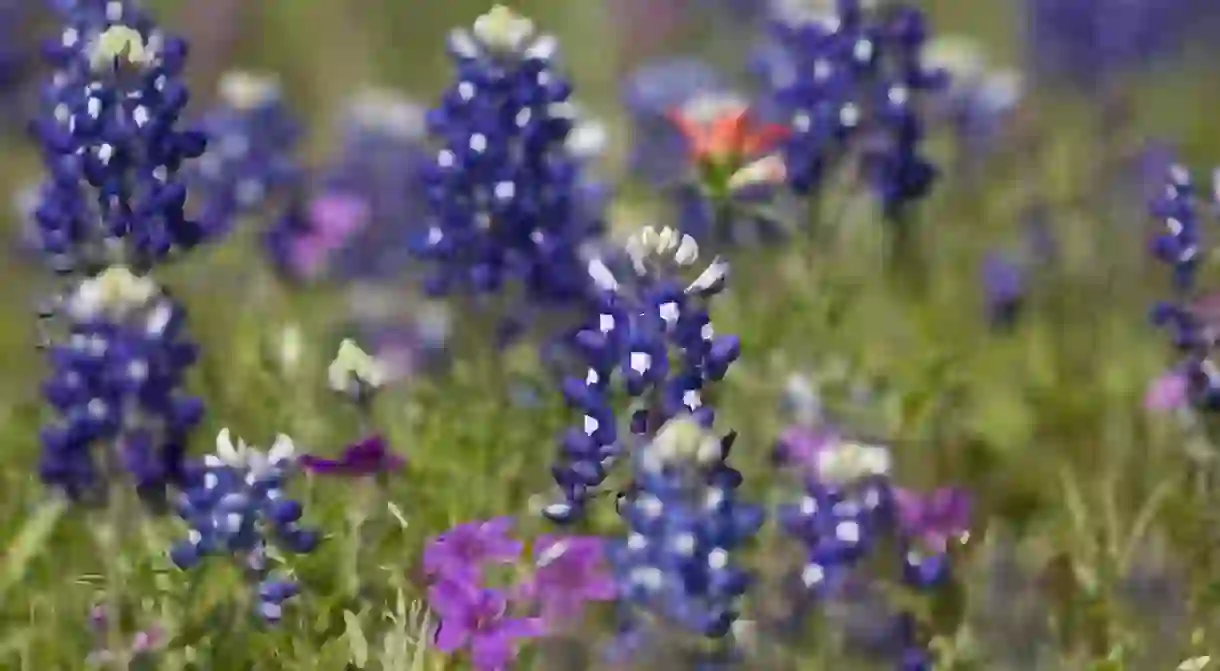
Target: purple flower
<point x="798" y="446"/>
<point x="478" y="618"/>
<point x="334" y="218"/>
<point x="461" y="552"/>
<point x="933" y="518"/>
<point x="366" y="457"/>
<point x="1003" y="288"/>
<point x="1167" y="392"/>
<point x="570" y="572"/>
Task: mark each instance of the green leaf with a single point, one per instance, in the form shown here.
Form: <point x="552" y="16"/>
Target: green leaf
<point x="356" y="642"/>
<point x="29" y="541"/>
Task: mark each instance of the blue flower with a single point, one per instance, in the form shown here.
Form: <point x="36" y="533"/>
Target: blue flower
<point x="1089" y="42"/>
<point x="684" y="524"/>
<point x="1188" y="320"/>
<point x="635" y="327"/>
<point x="844" y="522"/>
<point x="252" y="139"/>
<point x="116" y="385"/>
<point x="1003" y="289"/>
<point x="504" y="189"/>
<point x="236" y="506"/>
<point x="382" y="149"/>
<point x="851" y="81"/>
<point x="110" y="142"/>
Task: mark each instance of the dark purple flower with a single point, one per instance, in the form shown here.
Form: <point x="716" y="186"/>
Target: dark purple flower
<point x="570" y="572"/>
<point x="476" y="618"/>
<point x="461" y="552"/>
<point x="366" y="457"/>
<point x="933" y="518"/>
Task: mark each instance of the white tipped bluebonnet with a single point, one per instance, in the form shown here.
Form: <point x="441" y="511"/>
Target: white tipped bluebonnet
<point x="685" y="523"/>
<point x="236" y="506"/>
<point x="654" y="332"/>
<point x="116" y="384"/>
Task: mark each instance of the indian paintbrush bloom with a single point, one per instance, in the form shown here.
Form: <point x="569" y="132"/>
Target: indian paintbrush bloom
<point x="637" y="324"/>
<point x="503" y="188"/>
<point x="236" y="506"/>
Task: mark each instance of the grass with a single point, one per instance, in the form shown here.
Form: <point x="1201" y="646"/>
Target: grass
<point x="1044" y="424"/>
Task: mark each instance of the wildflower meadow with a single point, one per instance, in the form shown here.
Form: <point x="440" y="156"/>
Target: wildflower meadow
<point x="772" y="335"/>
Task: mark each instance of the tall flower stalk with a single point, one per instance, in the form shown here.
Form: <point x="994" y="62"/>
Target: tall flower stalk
<point x="111" y="209"/>
<point x="503" y="190"/>
<point x="653" y="332"/>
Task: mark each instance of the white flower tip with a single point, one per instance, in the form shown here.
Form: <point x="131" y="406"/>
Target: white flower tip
<point x="122" y="44"/>
<point x="389" y="112"/>
<point x="229" y="453"/>
<point x="687" y="251"/>
<point x="502" y="29"/>
<point x="715" y="273"/>
<point x="962" y="57"/>
<point x="768" y="170"/>
<point x="245" y="90"/>
<point x="601" y="275"/>
<point x="283" y="449"/>
<point x="588" y="139"/>
<point x="353" y="366"/>
<point x="115" y="292"/>
<point x="1195" y="663"/>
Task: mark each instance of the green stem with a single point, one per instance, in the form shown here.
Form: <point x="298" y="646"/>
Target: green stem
<point x="111" y="534"/>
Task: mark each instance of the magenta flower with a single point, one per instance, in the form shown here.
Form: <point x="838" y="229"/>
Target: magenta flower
<point x="1167" y="392"/>
<point x="333" y="219"/>
<point x="367" y="457"/>
<point x="476" y="618"/>
<point x="460" y="553"/>
<point x="570" y="571"/>
<point x="798" y="446"/>
<point x="933" y="518"/>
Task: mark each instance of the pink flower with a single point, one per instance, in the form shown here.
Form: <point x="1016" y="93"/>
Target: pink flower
<point x="333" y="219"/>
<point x="798" y="446"/>
<point x="1166" y="393"/>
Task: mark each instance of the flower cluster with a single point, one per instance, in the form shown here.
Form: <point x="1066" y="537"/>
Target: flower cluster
<point x="236" y="506"/>
<point x="1087" y="43"/>
<point x="115" y="384"/>
<point x="710" y="148"/>
<point x="108" y="129"/>
<point x="655" y="333"/>
<point x="504" y="190"/>
<point x="252" y="139"/>
<point x="568" y="573"/>
<point x="684" y="523"/>
<point x="851" y="78"/>
<point x="112" y="207"/>
<point x="1178" y="245"/>
<point x="375" y="169"/>
<point x="850" y="508"/>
